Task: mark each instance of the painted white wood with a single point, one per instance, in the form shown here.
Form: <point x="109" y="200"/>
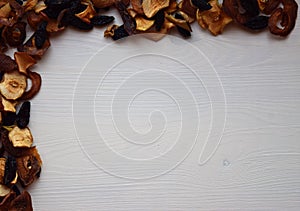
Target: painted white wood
<point x="256" y="166"/>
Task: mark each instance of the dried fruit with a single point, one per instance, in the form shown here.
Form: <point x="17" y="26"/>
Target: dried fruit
<point x="21" y="203"/>
<point x="202" y="5"/>
<point x="129" y="22"/>
<point x="10" y="170"/>
<point x="151" y="7"/>
<point x="143" y="24"/>
<point x="23" y="115"/>
<point x="8" y="118"/>
<point x="7" y="64"/>
<point x="257" y="23"/>
<point x="100" y="20"/>
<point x="24" y="61"/>
<point x="13" y="85"/>
<point x="36" y="82"/>
<point x="20" y="137"/>
<point x="2" y="170"/>
<point x="214" y="19"/>
<point x="41" y="35"/>
<point x="159" y="20"/>
<point x="29" y="167"/>
<point x="285" y="16"/>
<point x="87" y="14"/>
<point x="15" y="35"/>
<point x="4" y="190"/>
<point x="103" y="3"/>
<point x="116" y="32"/>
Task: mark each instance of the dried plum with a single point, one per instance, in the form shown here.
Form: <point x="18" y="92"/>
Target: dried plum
<point x="257" y="23"/>
<point x="202" y="5"/>
<point x="129" y="22"/>
<point x="15" y="35"/>
<point x="23" y="115"/>
<point x="250" y="6"/>
<point x="10" y="170"/>
<point x="185" y="33"/>
<point x="7" y="64"/>
<point x="21" y="202"/>
<point x="72" y="20"/>
<point x="159" y="20"/>
<point x="41" y="35"/>
<point x="101" y="20"/>
<point x="8" y="118"/>
<point x="54" y="7"/>
<point x="120" y="33"/>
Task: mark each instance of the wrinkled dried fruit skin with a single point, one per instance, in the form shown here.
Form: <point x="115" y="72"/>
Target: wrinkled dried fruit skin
<point x="10" y="170"/>
<point x="41" y="35"/>
<point x="5" y="203"/>
<point x="129" y="22"/>
<point x="7" y="64"/>
<point x="14" y="151"/>
<point x="29" y="167"/>
<point x="15" y="35"/>
<point x="101" y="20"/>
<point x="23" y="115"/>
<point x="36" y="82"/>
<point x="185" y="33"/>
<point x="250" y="6"/>
<point x="8" y="118"/>
<point x="54" y="7"/>
<point x="268" y="6"/>
<point x="257" y="23"/>
<point x="21" y="202"/>
<point x="202" y="5"/>
<point x="72" y="20"/>
<point x="286" y="16"/>
<point x="120" y="33"/>
<point x="159" y="20"/>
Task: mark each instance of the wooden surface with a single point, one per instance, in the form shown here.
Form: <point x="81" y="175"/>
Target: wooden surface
<point x="256" y="165"/>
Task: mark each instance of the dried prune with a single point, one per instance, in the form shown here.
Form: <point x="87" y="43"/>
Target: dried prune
<point x="250" y="6"/>
<point x="72" y="20"/>
<point x="41" y="35"/>
<point x="129" y="22"/>
<point x="54" y="7"/>
<point x="202" y="5"/>
<point x="10" y="170"/>
<point x="100" y="20"/>
<point x="7" y="64"/>
<point x="120" y="33"/>
<point x="8" y="118"/>
<point x="23" y="115"/>
<point x="185" y="33"/>
<point x="159" y="20"/>
<point x="257" y="23"/>
<point x="16" y="189"/>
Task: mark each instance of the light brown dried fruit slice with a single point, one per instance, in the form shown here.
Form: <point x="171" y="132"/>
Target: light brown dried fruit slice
<point x="36" y="82"/>
<point x="178" y="22"/>
<point x="6" y="105"/>
<point x="103" y="3"/>
<point x="29" y="167"/>
<point x="5" y="11"/>
<point x="24" y="61"/>
<point x="2" y="169"/>
<point x="143" y="24"/>
<point x="20" y="137"/>
<point x="7" y="64"/>
<point x="137" y="6"/>
<point x="151" y="7"/>
<point x="4" y="190"/>
<point x="214" y="19"/>
<point x="30" y="4"/>
<point x="88" y="13"/>
<point x="13" y="85"/>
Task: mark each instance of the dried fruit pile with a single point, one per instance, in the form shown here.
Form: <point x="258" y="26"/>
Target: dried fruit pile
<point x="20" y="163"/>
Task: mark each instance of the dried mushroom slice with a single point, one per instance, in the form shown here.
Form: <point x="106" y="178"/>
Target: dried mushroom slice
<point x="21" y="203"/>
<point x="24" y="61"/>
<point x="20" y="137"/>
<point x="13" y="85"/>
<point x="4" y="190"/>
<point x="29" y="167"/>
<point x="151" y="7"/>
<point x="214" y="19"/>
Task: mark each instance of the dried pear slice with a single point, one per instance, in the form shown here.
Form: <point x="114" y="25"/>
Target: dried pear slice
<point x="13" y="85"/>
<point x="151" y="7"/>
<point x="4" y="190"/>
<point x="20" y="137"/>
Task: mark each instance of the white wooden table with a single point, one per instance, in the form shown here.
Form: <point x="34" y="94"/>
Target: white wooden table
<point x="256" y="165"/>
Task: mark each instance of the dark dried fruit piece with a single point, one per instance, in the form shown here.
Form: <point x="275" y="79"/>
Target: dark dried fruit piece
<point x="159" y="20"/>
<point x="72" y="20"/>
<point x="120" y="33"/>
<point x="23" y="115"/>
<point x="7" y="64"/>
<point x="10" y="170"/>
<point x="21" y="203"/>
<point x="41" y="35"/>
<point x="202" y="5"/>
<point x="54" y="7"/>
<point x="5" y="203"/>
<point x="15" y="35"/>
<point x="285" y="16"/>
<point x="101" y="20"/>
<point x="257" y="23"/>
<point x="250" y="6"/>
<point x="129" y="22"/>
<point x="185" y="33"/>
<point x="8" y="118"/>
<point x="29" y="167"/>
